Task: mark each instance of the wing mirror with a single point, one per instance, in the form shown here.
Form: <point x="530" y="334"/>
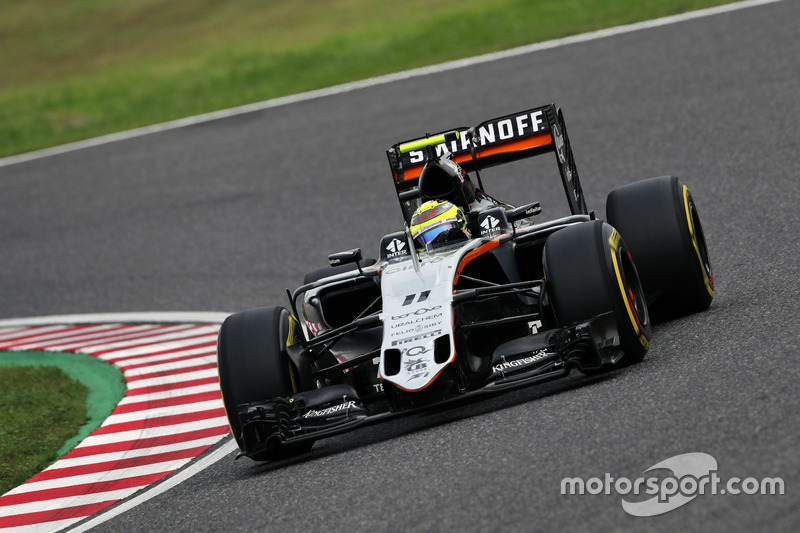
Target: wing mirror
<point x="525" y="211"/>
<point x="345" y="258"/>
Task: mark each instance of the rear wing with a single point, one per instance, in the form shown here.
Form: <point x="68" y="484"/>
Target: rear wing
<point x="494" y="142"/>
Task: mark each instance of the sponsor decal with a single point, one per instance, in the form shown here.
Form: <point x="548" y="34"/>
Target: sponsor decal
<point x="533" y="210"/>
<point x="418" y="368"/>
<point x="410" y="298"/>
<point x="416" y="351"/>
<point x="405" y="331"/>
<point x="417" y="328"/>
<point x="490" y="226"/>
<point x="524" y="361"/>
<point x="505" y="129"/>
<point x="419" y="312"/>
<point x="400" y="268"/>
<point x="419" y="337"/>
<point x="312" y="413"/>
<point x="418" y="321"/>
<point x="534" y="326"/>
<point x="396" y="248"/>
<point x="408" y="265"/>
<point x="436" y="211"/>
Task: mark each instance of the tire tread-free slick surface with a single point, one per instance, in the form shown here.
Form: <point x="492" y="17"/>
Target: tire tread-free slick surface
<point x="589" y="272"/>
<point x="659" y="221"/>
<point x="254" y="366"/>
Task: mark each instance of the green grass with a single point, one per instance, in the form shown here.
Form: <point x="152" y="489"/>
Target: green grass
<point x="78" y="69"/>
<point x="42" y="408"/>
<point x="29" y="438"/>
<point x="82" y="68"/>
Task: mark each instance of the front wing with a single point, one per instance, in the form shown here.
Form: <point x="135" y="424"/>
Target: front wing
<point x="308" y="416"/>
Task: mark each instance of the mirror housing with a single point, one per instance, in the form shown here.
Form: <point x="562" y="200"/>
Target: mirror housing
<point x="345" y="258"/>
<point x="525" y="211"/>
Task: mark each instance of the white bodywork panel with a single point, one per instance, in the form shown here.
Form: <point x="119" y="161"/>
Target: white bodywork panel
<point x="417" y="309"/>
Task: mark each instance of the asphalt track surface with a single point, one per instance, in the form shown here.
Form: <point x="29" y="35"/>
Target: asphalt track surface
<point x="223" y="216"/>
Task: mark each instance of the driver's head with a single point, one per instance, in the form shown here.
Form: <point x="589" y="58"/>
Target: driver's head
<point x="438" y="220"/>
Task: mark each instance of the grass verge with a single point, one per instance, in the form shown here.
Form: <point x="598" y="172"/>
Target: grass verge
<point x="42" y="408"/>
<point x="41" y="419"/>
<point x="79" y="69"/>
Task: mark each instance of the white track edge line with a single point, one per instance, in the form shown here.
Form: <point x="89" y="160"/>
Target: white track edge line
<point x="380" y="80"/>
<point x="178" y="477"/>
<point x="150" y="317"/>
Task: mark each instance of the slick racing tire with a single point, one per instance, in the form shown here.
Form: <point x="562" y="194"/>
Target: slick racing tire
<point x="253" y="366"/>
<point x="589" y="272"/>
<point x="659" y="221"/>
<point x="328" y="271"/>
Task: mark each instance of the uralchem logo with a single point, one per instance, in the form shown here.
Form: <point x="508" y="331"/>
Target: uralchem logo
<point x="694" y="474"/>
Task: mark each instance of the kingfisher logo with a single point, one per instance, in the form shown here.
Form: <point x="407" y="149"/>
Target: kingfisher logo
<point x="346" y="406"/>
<point x="535" y="357"/>
<point x="693" y="474"/>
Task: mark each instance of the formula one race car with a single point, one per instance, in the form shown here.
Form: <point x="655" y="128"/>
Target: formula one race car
<point x="472" y="297"/>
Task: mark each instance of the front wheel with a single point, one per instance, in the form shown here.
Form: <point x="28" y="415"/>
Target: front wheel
<point x="589" y="272"/>
<point x="253" y="366"/>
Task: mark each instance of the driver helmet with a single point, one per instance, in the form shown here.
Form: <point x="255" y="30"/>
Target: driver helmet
<point x="437" y="218"/>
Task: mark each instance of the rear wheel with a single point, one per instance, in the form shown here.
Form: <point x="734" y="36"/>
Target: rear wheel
<point x="590" y="272"/>
<point x="660" y="223"/>
<point x="254" y="366"/>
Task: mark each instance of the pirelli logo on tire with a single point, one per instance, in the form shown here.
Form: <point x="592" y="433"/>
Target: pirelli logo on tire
<point x="613" y="241"/>
<point x="704" y="267"/>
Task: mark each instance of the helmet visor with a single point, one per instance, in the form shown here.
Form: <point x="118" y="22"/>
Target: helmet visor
<point x="425" y="238"/>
